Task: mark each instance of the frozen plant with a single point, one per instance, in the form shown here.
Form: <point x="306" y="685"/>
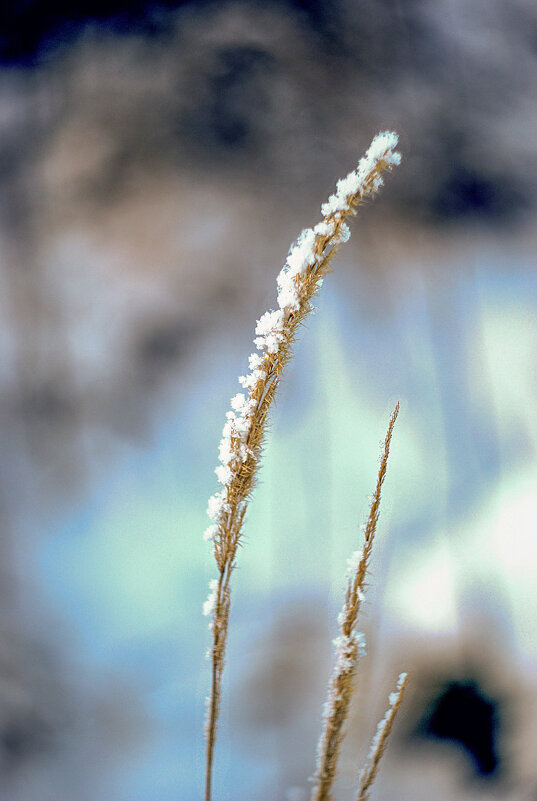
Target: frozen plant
<point x="378" y="744"/>
<point x="307" y="264"/>
<point x="349" y="646"/>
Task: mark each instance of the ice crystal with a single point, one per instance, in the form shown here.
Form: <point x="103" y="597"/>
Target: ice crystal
<point x="210" y="604"/>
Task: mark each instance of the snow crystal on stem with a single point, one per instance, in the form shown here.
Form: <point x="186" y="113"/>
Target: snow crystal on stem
<point x="255" y="361"/>
<point x="251" y="380"/>
<point x="224" y="474"/>
<point x="268" y="343"/>
<point x="385" y="722"/>
<point x="287" y="294"/>
<point x="225" y="450"/>
<point x="379" y="734"/>
<point x="302" y="254"/>
<point x="270" y="330"/>
<point x="217" y="506"/>
<point x="382" y="147"/>
<point x="237" y="402"/>
<point x="210" y="532"/>
<point x="210" y="604"/>
<point x="325" y="228"/>
<point x="401" y="680"/>
<point x="352" y="563"/>
<point x="270" y="323"/>
<point x="395" y="695"/>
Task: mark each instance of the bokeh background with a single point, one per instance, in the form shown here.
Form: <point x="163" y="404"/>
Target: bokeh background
<point x="156" y="160"/>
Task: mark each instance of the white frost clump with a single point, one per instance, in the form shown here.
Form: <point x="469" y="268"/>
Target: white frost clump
<point x="210" y="532"/>
<point x="270" y="331"/>
<point x="382" y="147"/>
<point x="224" y="474"/>
<point x="255" y="361"/>
<point x="270" y="322"/>
<point x="302" y="254"/>
<point x="210" y="604"/>
<point x="251" y="380"/>
<point x="352" y="563"/>
<point x="237" y="402"/>
<point x="392" y="699"/>
<point x="216" y="506"/>
<point x="301" y="257"/>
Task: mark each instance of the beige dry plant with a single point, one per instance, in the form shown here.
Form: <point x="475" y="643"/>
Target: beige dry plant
<point x="348" y="646"/>
<point x="307" y="264"/>
<point x="378" y="746"/>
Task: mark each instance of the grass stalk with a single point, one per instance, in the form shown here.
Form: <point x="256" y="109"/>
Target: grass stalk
<point x="380" y="740"/>
<point x="307" y="264"/>
<point x="349" y="645"/>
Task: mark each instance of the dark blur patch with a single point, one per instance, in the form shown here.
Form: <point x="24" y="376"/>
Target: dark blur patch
<point x="462" y="713"/>
<point x="35" y="704"/>
<point x="470" y="195"/>
<point x="391" y="38"/>
<point x="46" y="402"/>
<point x="31" y="28"/>
<point x="25" y="737"/>
<point x="163" y="346"/>
<point x="235" y="94"/>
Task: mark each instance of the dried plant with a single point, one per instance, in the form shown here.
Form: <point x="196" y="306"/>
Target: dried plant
<point x="378" y="746"/>
<point x="307" y="264"/>
<point x="349" y="644"/>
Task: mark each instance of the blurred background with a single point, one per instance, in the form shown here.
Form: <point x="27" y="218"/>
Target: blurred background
<point x="156" y="160"/>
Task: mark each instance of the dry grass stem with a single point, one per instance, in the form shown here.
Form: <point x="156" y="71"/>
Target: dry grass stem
<point x="349" y="644"/>
<point x="378" y="746"/>
<point x="242" y="437"/>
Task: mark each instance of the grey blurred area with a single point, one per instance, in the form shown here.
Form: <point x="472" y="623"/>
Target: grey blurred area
<point x="154" y="167"/>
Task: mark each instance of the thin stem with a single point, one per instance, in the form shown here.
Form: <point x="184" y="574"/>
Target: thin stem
<point x="348" y="645"/>
<point x="211" y="733"/>
<point x="378" y="746"/>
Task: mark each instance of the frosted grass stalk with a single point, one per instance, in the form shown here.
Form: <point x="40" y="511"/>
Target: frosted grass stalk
<point x="349" y="645"/>
<point x="378" y="744"/>
<point x="306" y="265"/>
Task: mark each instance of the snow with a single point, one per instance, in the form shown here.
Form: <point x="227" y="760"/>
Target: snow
<point x="210" y="604"/>
<point x="210" y="532"/>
